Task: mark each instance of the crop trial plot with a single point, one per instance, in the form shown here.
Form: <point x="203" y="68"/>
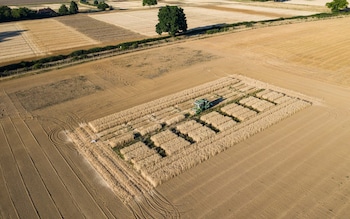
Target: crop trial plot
<point x="165" y="137"/>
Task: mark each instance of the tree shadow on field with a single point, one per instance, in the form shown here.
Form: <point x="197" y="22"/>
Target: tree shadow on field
<point x="4" y="36"/>
<point x="198" y="30"/>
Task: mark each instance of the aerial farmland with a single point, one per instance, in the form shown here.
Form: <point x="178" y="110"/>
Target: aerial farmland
<point x="119" y="137"/>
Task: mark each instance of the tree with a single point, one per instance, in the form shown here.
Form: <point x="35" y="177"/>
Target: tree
<point x="21" y="13"/>
<point x="172" y="19"/>
<point x="15" y="13"/>
<point x="102" y="6"/>
<point x="46" y="12"/>
<point x="5" y="13"/>
<point x="337" y="5"/>
<point x="149" y="2"/>
<point x="63" y="10"/>
<point x="73" y="7"/>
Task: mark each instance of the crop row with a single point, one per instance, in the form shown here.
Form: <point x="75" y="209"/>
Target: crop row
<point x="195" y="130"/>
<point x="171" y="166"/>
<point x="159" y="104"/>
<point x="140" y="151"/>
<point x="270" y="95"/>
<point x="256" y="103"/>
<point x="184" y="141"/>
<point x="240" y="112"/>
<point x="163" y="137"/>
<point x="218" y="120"/>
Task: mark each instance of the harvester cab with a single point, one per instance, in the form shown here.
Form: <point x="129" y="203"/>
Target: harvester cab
<point x="201" y="105"/>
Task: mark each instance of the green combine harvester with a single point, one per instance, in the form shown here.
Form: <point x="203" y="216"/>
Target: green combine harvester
<point x="201" y="105"/>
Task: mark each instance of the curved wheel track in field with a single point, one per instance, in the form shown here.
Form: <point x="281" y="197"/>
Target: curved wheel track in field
<point x="153" y="205"/>
<point x="59" y="145"/>
<point x="63" y="146"/>
<point x="128" y="185"/>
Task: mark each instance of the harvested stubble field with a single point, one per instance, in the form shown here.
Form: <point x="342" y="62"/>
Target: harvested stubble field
<point x="27" y="39"/>
<point x="31" y="2"/>
<point x="65" y="34"/>
<point x="144" y="21"/>
<point x="97" y="30"/>
<point x="51" y="35"/>
<point x="15" y="43"/>
<point x="296" y="168"/>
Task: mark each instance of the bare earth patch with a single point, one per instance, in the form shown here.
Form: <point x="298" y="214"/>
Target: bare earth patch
<point x="55" y="93"/>
<point x="147" y="68"/>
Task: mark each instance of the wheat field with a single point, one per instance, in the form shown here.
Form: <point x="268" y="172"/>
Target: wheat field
<point x="160" y="150"/>
<point x="281" y="167"/>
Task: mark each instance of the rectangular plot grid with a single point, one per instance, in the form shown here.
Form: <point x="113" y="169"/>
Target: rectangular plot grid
<point x="165" y="137"/>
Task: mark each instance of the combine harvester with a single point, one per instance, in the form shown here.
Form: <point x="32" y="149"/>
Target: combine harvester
<point x="203" y="104"/>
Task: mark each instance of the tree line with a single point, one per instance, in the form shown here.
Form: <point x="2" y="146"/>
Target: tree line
<point x="23" y="13"/>
<point x="9" y="14"/>
<point x="73" y="9"/>
<point x="99" y="4"/>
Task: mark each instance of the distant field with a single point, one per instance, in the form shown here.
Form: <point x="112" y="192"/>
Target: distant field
<point x="65" y="34"/>
<point x="20" y="40"/>
<point x="30" y="2"/>
<point x="144" y="22"/>
<point x="309" y="2"/>
<point x="15" y="43"/>
<point x="97" y="30"/>
<point x="52" y="35"/>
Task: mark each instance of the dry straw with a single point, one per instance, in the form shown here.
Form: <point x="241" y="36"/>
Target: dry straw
<point x="174" y="145"/>
<point x="174" y="119"/>
<point x="148" y="129"/>
<point x="181" y="154"/>
<point x="163" y="137"/>
<point x="159" y="104"/>
<point x="191" y="156"/>
<point x="121" y="139"/>
<point x="218" y="120"/>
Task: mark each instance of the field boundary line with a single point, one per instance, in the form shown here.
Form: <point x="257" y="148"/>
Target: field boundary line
<point x="164" y="42"/>
<point x="33" y="46"/>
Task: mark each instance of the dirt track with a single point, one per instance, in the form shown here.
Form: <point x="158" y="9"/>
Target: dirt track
<point x="296" y="168"/>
